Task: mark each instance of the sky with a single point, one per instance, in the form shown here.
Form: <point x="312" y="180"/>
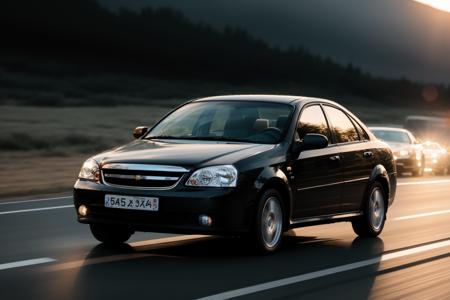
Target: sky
<point x="389" y="38"/>
<point x="443" y="5"/>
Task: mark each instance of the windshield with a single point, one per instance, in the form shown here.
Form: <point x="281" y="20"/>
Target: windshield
<point x="432" y="146"/>
<point x="392" y="136"/>
<point x="239" y="121"/>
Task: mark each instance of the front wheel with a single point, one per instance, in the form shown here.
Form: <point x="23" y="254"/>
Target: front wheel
<point x="371" y="223"/>
<point x="110" y="234"/>
<point x="268" y="229"/>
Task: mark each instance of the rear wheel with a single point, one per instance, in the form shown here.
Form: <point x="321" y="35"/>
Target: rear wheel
<point x="110" y="234"/>
<point x="268" y="230"/>
<point x="371" y="223"/>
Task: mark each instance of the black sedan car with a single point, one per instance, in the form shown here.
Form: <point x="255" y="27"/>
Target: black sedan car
<point x="246" y="165"/>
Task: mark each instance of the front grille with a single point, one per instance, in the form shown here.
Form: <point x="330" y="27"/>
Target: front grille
<point x="142" y="176"/>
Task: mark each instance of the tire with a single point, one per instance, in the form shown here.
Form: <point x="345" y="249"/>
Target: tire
<point x="268" y="228"/>
<point x="110" y="234"/>
<point x="371" y="223"/>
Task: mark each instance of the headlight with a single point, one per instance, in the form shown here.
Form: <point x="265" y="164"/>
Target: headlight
<point x="217" y="176"/>
<point x="418" y="155"/>
<point x="90" y="170"/>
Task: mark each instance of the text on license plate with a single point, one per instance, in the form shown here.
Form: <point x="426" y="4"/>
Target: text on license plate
<point x="132" y="202"/>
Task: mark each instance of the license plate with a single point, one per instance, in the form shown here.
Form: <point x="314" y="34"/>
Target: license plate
<point x="132" y="202"/>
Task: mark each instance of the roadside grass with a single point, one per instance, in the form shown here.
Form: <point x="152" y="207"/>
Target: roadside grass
<point x="42" y="148"/>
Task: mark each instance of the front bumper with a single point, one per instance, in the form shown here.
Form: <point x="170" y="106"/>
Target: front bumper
<point x="408" y="164"/>
<point x="436" y="163"/>
<point x="179" y="208"/>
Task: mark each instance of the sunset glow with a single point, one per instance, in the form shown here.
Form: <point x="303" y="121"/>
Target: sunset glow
<point x="438" y="4"/>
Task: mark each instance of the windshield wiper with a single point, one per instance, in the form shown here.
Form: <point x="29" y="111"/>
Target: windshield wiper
<point x="219" y="138"/>
<point x="156" y="137"/>
<point x="205" y="138"/>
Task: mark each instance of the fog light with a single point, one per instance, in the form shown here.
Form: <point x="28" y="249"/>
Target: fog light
<point x="205" y="220"/>
<point x="82" y="210"/>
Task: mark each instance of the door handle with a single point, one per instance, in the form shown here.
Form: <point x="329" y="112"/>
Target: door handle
<point x="335" y="157"/>
<point x="368" y="154"/>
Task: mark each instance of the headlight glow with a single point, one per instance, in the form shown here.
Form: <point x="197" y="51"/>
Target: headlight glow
<point x="404" y="153"/>
<point x="90" y="171"/>
<point x="418" y="155"/>
<point x="216" y="176"/>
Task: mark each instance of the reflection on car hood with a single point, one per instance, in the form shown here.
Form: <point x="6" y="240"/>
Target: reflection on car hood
<point x="181" y="152"/>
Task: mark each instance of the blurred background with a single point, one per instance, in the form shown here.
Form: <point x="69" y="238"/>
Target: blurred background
<point x="76" y="76"/>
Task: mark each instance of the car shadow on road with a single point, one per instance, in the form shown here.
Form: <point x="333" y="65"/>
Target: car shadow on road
<point x="207" y="266"/>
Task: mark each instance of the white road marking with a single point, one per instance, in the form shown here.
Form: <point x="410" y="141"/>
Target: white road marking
<point x="34" y="209"/>
<point x="28" y="262"/>
<point x="172" y="239"/>
<point x="422" y="215"/>
<point x="318" y="274"/>
<point x="35" y="200"/>
<point x="424" y="182"/>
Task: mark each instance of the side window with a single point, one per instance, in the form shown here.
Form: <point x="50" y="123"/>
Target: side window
<point x="362" y="133"/>
<point x="343" y="127"/>
<point x="313" y="120"/>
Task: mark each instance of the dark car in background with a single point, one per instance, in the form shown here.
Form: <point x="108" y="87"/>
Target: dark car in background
<point x="247" y="165"/>
<point x="426" y="128"/>
<point x="408" y="152"/>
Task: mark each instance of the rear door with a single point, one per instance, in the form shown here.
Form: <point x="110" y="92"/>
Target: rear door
<point x="356" y="157"/>
<point x="317" y="174"/>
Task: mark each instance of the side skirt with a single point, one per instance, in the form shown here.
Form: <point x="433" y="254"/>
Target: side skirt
<point x="326" y="219"/>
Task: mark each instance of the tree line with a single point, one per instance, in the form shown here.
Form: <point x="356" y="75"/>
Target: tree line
<point x="162" y="42"/>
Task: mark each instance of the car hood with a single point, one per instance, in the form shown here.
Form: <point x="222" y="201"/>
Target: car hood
<point x="434" y="152"/>
<point x="400" y="146"/>
<point x="185" y="153"/>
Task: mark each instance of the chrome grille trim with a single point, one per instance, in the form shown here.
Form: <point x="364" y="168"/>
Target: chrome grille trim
<point x="117" y="167"/>
<point x="143" y="167"/>
<point x="141" y="177"/>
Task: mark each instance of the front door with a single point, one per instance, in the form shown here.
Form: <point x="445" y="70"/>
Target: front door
<point x="316" y="174"/>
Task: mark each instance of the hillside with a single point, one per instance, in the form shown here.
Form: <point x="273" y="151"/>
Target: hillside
<point x="401" y="38"/>
<point x="74" y="40"/>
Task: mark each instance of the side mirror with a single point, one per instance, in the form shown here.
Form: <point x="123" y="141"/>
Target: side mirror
<point x="310" y="141"/>
<point x="139" y="131"/>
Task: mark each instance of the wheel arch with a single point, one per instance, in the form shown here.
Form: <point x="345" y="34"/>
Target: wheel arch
<point x="380" y="174"/>
<point x="275" y="178"/>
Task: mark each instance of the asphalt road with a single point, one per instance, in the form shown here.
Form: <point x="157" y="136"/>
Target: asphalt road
<point x="46" y="254"/>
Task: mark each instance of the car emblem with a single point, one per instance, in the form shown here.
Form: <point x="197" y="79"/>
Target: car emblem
<point x="138" y="177"/>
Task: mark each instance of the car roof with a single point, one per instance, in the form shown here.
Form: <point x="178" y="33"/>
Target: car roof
<point x="263" y="98"/>
<point x="426" y="118"/>
<point x="388" y="128"/>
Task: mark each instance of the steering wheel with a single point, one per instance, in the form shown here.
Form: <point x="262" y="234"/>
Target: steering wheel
<point x="269" y="134"/>
<point x="274" y="131"/>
